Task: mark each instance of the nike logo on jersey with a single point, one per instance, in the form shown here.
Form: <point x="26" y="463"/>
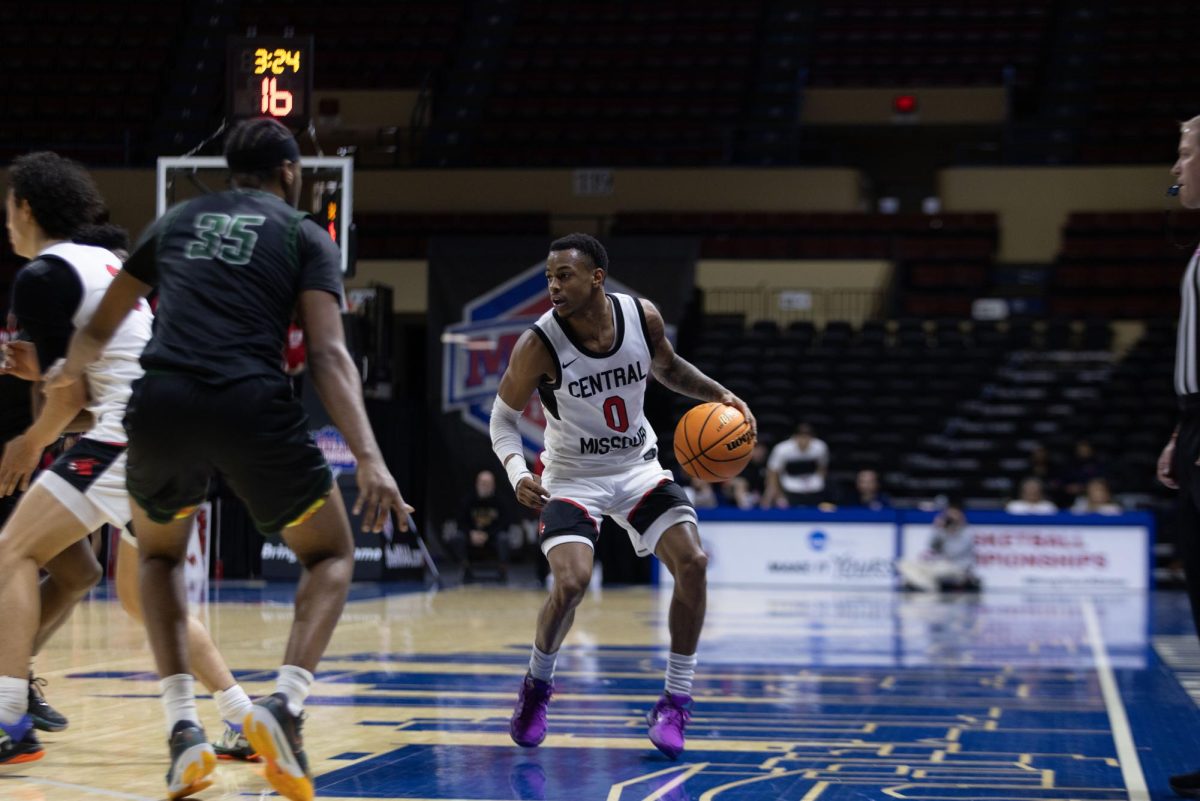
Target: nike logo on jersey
<point x="568" y="364"/>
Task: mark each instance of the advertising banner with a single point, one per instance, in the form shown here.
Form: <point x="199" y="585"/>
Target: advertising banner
<point x="1039" y="555"/>
<point x="391" y="555"/>
<point x="799" y="553"/>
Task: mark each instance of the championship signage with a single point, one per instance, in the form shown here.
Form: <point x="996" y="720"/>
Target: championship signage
<point x="1045" y="555"/>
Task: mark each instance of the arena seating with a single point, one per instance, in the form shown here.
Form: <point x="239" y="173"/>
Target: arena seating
<point x="382" y="44"/>
<point x="906" y="237"/>
<point x="942" y="261"/>
<point x="948" y="406"/>
<point x="582" y="82"/>
<point x="1122" y="264"/>
<point x="919" y="43"/>
<point x="406" y="236"/>
<point x="600" y="83"/>
<point x="1144" y="63"/>
<point x="82" y="80"/>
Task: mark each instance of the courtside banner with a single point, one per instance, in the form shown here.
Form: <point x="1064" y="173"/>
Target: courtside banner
<point x="484" y="292"/>
<point x="794" y="554"/>
<point x="1061" y="552"/>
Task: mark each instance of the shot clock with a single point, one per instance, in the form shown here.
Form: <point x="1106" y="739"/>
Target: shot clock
<point x="270" y="76"/>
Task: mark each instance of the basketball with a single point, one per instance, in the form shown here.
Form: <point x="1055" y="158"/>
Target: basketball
<point x="713" y="442"/>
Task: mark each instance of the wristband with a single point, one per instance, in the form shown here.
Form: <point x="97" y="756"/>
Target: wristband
<point x="517" y="470"/>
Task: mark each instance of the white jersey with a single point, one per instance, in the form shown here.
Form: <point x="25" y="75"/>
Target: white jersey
<point x="595" y="416"/>
<point x="110" y="376"/>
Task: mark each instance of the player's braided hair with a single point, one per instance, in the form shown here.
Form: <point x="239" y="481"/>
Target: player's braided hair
<point x="586" y="244"/>
<point x="250" y="135"/>
<point x="59" y="191"/>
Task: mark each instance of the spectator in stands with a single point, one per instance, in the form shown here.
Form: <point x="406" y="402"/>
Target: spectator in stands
<point x="1097" y="500"/>
<point x="867" y="492"/>
<point x="746" y="490"/>
<point x="482" y="528"/>
<point x="1032" y="500"/>
<point x="796" y="471"/>
<point x="1083" y="467"/>
<point x="949" y="565"/>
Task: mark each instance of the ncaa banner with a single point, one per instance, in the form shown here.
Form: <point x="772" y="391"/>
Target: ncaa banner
<point x="798" y="553"/>
<point x="484" y="292"/>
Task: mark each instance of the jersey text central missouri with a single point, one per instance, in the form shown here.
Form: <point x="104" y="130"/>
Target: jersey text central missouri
<point x="595" y="417"/>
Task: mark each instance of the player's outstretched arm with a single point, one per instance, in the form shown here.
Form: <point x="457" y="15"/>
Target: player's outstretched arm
<point x="340" y="388"/>
<point x="676" y="373"/>
<point x="529" y="364"/>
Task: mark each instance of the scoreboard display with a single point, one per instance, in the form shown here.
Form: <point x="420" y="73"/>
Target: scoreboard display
<point x="270" y="76"/>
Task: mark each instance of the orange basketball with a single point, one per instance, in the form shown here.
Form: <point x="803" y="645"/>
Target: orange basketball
<point x="713" y="442"/>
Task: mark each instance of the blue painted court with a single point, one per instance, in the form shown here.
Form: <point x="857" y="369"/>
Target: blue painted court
<point x="801" y="695"/>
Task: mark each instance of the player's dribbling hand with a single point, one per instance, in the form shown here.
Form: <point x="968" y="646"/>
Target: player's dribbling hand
<point x="1166" y="473"/>
<point x="21" y="456"/>
<point x="531" y="493"/>
<point x="379" y="497"/>
<point x="733" y="400"/>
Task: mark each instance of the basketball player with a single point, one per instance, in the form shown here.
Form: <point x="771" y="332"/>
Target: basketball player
<point x="230" y="269"/>
<point x="74" y="571"/>
<point x="1179" y="463"/>
<point x="589" y="359"/>
<point x="85" y="487"/>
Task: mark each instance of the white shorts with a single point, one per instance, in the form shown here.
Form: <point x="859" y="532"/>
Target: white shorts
<point x="89" y="480"/>
<point x="644" y="500"/>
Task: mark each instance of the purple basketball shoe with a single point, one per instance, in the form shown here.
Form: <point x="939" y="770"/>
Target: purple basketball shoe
<point x="667" y="722"/>
<point x="528" y="725"/>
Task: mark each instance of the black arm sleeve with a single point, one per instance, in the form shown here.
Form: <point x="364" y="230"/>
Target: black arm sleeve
<point x="320" y="259"/>
<point x="142" y="263"/>
<point x="45" y="297"/>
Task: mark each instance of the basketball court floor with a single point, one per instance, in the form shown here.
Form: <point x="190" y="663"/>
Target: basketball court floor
<point x="801" y="695"/>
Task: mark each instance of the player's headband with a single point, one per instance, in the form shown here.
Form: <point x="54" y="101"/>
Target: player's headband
<point x="265" y="156"/>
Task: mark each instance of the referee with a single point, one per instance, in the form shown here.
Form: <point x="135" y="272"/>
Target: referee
<point x="1178" y="464"/>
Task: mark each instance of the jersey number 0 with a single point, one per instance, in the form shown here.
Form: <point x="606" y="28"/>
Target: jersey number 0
<point x="615" y="414"/>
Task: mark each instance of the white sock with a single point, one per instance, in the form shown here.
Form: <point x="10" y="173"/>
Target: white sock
<point x="233" y="704"/>
<point x="179" y="700"/>
<point x="680" y="672"/>
<point x="294" y="682"/>
<point x="541" y="666"/>
<point x="14" y="699"/>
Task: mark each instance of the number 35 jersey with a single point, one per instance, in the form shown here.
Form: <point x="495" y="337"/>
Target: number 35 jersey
<point x="595" y="415"/>
<point x="229" y="268"/>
